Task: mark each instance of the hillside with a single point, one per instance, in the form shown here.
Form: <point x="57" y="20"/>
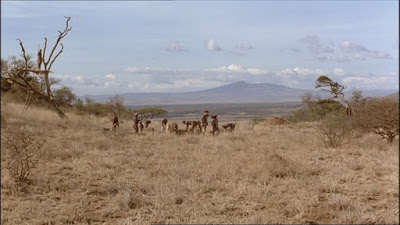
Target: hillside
<point x="393" y="96"/>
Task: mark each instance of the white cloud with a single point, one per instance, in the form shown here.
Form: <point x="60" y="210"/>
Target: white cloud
<point x="110" y="76"/>
<point x="133" y="69"/>
<point x="239" y="69"/>
<point x="300" y="72"/>
<point x="338" y="72"/>
<point x="352" y="47"/>
<point x="362" y="53"/>
<point x="213" y="45"/>
<point x="343" y="59"/>
<point x="315" y="45"/>
<point x="230" y="68"/>
<point x="360" y="57"/>
<point x="244" y="46"/>
<point x="366" y="82"/>
<point x="379" y="54"/>
<point x="256" y="71"/>
<point x="175" y="47"/>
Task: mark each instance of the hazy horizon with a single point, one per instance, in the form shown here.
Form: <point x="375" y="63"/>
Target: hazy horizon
<point x="207" y="88"/>
<point x="141" y="47"/>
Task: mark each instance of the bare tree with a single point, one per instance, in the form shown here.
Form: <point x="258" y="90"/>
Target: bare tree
<point x="90" y="106"/>
<point x="380" y="116"/>
<point x="22" y="77"/>
<point x="117" y="103"/>
<point x="334" y="88"/>
<point x="356" y="100"/>
<point x="308" y="99"/>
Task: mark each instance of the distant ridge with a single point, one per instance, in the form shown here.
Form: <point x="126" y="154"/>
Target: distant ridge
<point x="394" y="96"/>
<point x="238" y="92"/>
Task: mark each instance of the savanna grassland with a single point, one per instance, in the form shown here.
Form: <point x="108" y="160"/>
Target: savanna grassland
<point x="268" y="174"/>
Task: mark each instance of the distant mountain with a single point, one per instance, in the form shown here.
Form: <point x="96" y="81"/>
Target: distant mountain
<point x="239" y="92"/>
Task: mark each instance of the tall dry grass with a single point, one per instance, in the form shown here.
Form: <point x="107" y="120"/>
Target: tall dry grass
<point x="268" y="174"/>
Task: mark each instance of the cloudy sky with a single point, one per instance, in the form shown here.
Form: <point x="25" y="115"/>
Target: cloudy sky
<point x="178" y="46"/>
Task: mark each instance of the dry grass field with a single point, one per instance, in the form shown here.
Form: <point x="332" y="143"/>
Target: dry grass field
<point x="268" y="174"/>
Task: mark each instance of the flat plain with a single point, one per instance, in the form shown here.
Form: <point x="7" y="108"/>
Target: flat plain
<point x="260" y="175"/>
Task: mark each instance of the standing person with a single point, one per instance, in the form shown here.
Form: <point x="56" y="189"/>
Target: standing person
<point x="204" y="122"/>
<point x="136" y="123"/>
<point x="214" y="124"/>
<point x="115" y="122"/>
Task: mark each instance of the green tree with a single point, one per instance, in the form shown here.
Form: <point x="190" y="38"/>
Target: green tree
<point x="149" y="113"/>
<point x="328" y="85"/>
<point x="64" y="96"/>
<point x="79" y="106"/>
<point x="326" y="106"/>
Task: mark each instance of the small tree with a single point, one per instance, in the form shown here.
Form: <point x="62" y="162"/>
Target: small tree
<point x="64" y="96"/>
<point x="21" y="153"/>
<point x="356" y="100"/>
<point x="317" y="107"/>
<point x="308" y="99"/>
<point x="326" y="106"/>
<point x="335" y="130"/>
<point x="149" y="113"/>
<point x="80" y="108"/>
<point x="89" y="106"/>
<point x="328" y="85"/>
<point x="380" y="116"/>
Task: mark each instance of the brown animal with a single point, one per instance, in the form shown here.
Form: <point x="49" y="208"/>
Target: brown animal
<point x="146" y="126"/>
<point x="181" y="132"/>
<point x="197" y="126"/>
<point x="229" y="127"/>
<point x="172" y="127"/>
<point x="214" y="125"/>
<point x="146" y="123"/>
<point x="140" y="126"/>
<point x="164" y="122"/>
<point x="189" y="125"/>
<point x="136" y="123"/>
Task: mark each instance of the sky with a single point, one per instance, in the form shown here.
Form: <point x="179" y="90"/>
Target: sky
<point x="180" y="46"/>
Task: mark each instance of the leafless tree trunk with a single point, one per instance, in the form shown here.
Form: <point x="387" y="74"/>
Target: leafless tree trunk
<point x="21" y="78"/>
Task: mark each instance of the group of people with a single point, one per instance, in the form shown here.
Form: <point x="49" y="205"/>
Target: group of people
<point x="138" y="125"/>
<point x="214" y="122"/>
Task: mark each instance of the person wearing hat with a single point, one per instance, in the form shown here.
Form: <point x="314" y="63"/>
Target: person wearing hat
<point x="136" y="123"/>
<point x="204" y="122"/>
<point x="214" y="124"/>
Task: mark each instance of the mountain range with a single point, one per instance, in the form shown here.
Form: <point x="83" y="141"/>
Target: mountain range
<point x="238" y="92"/>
